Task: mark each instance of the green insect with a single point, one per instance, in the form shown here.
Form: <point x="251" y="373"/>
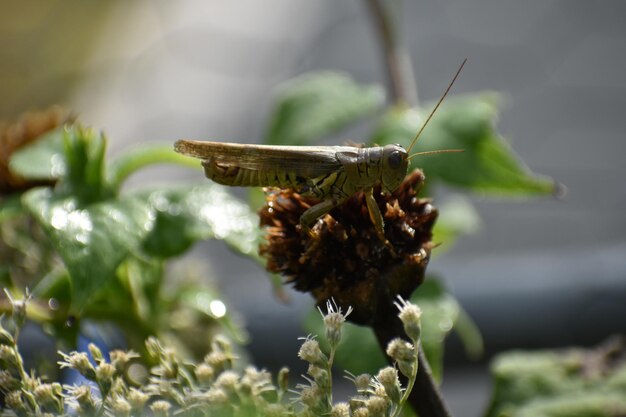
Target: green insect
<point x="328" y="173"/>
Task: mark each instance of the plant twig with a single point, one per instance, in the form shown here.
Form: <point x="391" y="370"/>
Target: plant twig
<point x="398" y="62"/>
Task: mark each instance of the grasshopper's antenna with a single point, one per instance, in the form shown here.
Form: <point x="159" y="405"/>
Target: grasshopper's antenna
<point x="434" y="152"/>
<point x="435" y="109"/>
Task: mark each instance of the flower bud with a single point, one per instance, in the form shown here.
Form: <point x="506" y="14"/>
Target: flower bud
<point x="104" y="376"/>
<point x="80" y="362"/>
<point x="227" y="381"/>
<point x="29" y="383"/>
<point x="204" y="374"/>
<point x="283" y="379"/>
<point x="361" y="412"/>
<point x="377" y="406"/>
<point x="8" y="382"/>
<point x="9" y="357"/>
<point x="362" y="382"/>
<point x="405" y="356"/>
<point x="357" y="402"/>
<point x="86" y="403"/>
<point x="400" y="350"/>
<point x="340" y="410"/>
<point x="160" y="408"/>
<point x="137" y="400"/>
<point x="333" y="321"/>
<point x="218" y="360"/>
<point x="310" y="351"/>
<point x="96" y="353"/>
<point x="154" y="348"/>
<point x="313" y="397"/>
<point x="48" y="397"/>
<point x="388" y="378"/>
<point x="410" y="315"/>
<point x="320" y="376"/>
<point x="121" y="407"/>
<point x="215" y="397"/>
<point x="15" y="403"/>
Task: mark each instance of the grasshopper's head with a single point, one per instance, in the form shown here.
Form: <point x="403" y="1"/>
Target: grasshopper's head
<point x="395" y="163"/>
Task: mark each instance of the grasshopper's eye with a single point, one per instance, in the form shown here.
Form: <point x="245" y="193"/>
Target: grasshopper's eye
<point x="394" y="160"/>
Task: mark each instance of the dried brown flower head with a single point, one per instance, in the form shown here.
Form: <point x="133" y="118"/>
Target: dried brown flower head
<point x="13" y="136"/>
<point x="347" y="261"/>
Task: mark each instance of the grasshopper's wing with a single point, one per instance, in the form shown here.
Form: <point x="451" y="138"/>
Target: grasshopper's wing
<point x="306" y="161"/>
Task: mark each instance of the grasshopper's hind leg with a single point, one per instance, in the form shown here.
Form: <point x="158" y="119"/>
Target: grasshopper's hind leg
<point x="310" y="216"/>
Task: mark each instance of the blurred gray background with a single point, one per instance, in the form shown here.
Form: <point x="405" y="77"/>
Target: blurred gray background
<point x="539" y="273"/>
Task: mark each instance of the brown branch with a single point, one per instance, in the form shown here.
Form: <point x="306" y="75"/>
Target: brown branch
<point x="400" y="74"/>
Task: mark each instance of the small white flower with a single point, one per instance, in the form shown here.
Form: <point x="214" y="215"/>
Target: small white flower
<point x="410" y="315"/>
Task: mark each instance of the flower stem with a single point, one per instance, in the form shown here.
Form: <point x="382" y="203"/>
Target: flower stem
<point x="329" y="369"/>
<point x="141" y="157"/>
<point x="410" y="383"/>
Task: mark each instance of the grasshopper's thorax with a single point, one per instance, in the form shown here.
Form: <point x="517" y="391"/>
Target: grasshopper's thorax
<point x="394" y="165"/>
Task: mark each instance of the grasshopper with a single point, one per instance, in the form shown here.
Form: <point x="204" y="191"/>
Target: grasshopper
<point x="328" y="173"/>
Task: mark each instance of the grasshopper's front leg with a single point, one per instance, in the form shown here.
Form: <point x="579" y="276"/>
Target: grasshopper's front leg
<point x="310" y="216"/>
<point x="377" y="219"/>
<point x="375" y="215"/>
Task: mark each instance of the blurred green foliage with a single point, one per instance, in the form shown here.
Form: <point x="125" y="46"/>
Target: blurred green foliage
<point x="314" y="105"/>
<point x="115" y="246"/>
<point x="487" y="164"/>
<point x="571" y="382"/>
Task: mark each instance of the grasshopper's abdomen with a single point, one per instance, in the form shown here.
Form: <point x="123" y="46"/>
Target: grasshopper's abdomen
<point x="322" y="187"/>
<point x="233" y="175"/>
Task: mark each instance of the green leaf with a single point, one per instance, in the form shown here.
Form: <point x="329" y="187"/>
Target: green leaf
<point x="487" y="163"/>
<point x="73" y="155"/>
<point x="314" y="105"/>
<point x="185" y="215"/>
<point x="457" y="217"/>
<point x="42" y="159"/>
<point x="91" y="239"/>
<point x="56" y="285"/>
<point x="84" y="155"/>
